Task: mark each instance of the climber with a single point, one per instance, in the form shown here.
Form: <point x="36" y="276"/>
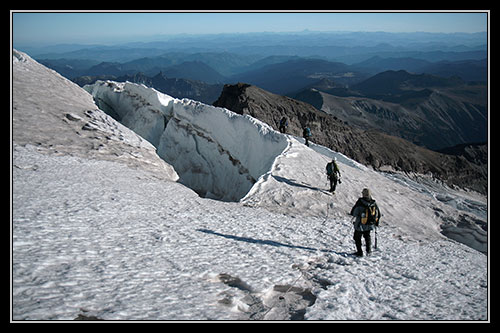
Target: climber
<point x="306" y="133"/>
<point x="283" y="124"/>
<point x="367" y="216"/>
<point x="333" y="174"/>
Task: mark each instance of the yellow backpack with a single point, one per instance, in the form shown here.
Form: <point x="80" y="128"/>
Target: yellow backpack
<point x="370" y="216"/>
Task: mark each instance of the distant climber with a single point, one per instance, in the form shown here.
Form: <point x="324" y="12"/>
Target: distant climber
<point x="306" y="133"/>
<point x="333" y="174"/>
<point x="367" y="216"/>
<point x="283" y="124"/>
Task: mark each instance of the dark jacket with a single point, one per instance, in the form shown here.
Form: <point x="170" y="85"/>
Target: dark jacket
<point x="283" y="122"/>
<point x="359" y="208"/>
<point x="332" y="169"/>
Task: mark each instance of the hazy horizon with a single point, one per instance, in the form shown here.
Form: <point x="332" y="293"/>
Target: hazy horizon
<point x="48" y="28"/>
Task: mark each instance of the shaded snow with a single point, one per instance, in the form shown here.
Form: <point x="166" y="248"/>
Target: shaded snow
<point x="93" y="236"/>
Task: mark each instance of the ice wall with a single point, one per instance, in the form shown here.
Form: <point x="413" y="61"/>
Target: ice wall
<point x="141" y="109"/>
<point x="216" y="152"/>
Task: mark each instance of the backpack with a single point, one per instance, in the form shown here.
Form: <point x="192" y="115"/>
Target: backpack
<point x="307" y="131"/>
<point x="329" y="168"/>
<point x="370" y="216"/>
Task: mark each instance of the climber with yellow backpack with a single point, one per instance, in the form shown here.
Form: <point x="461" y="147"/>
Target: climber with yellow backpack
<point x="367" y="216"/>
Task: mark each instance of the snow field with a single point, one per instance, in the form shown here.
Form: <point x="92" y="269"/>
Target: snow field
<point x="98" y="238"/>
<point x="50" y="111"/>
<point x="297" y="184"/>
<point x="122" y="246"/>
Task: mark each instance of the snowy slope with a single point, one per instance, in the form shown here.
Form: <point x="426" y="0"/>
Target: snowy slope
<point x="98" y="237"/>
<point x="61" y="118"/>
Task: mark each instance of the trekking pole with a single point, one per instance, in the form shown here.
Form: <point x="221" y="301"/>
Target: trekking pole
<point x="376" y="227"/>
<point x="353" y="218"/>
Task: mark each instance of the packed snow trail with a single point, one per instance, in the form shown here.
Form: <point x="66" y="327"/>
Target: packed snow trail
<point x="105" y="233"/>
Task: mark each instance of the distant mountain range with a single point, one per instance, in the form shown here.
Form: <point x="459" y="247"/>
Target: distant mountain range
<point x="346" y="47"/>
<point x="237" y="56"/>
<point x="432" y="111"/>
<point x="468" y="70"/>
<point x="277" y="74"/>
<point x="280" y="74"/>
<point x="427" y="88"/>
<point x="292" y="75"/>
<point x="429" y="110"/>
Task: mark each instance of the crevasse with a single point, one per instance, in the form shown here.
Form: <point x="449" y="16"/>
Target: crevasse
<point x="216" y="152"/>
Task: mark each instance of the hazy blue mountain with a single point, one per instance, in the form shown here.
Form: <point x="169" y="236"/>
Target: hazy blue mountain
<point x="378" y="64"/>
<point x="468" y="70"/>
<point x="396" y="85"/>
<point x="285" y="77"/>
<point x="194" y="70"/>
<point x="376" y="74"/>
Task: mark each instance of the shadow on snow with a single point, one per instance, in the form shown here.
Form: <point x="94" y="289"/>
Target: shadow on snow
<point x="262" y="241"/>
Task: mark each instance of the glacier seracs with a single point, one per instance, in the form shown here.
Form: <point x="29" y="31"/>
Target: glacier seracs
<point x="216" y="152"/>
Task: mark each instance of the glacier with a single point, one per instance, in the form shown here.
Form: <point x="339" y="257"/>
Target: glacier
<point x="102" y="227"/>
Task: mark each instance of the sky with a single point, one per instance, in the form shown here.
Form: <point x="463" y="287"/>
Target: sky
<point x="108" y="28"/>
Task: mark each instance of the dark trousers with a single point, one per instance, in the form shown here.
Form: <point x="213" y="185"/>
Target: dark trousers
<point x="368" y="240"/>
<point x="333" y="183"/>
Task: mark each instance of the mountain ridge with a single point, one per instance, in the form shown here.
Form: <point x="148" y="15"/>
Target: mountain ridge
<point x="428" y="110"/>
<point x="379" y="150"/>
